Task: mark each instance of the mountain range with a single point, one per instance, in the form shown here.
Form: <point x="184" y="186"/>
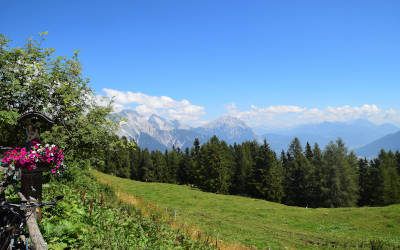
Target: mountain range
<point x="157" y="133"/>
<point x="356" y="133"/>
<point x="388" y="142"/>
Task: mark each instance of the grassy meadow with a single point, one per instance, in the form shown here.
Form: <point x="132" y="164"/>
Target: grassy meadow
<point x="245" y="222"/>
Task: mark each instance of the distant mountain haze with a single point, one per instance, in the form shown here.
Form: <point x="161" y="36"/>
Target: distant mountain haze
<point x="356" y="133"/>
<point x="157" y="133"/>
<point x="388" y="142"/>
<point x="229" y="129"/>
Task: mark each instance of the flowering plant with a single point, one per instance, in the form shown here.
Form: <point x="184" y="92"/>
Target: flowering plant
<point x="46" y="155"/>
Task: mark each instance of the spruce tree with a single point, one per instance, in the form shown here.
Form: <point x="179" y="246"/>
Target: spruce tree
<point x="283" y="159"/>
<point x="317" y="179"/>
<point x="172" y="158"/>
<point x="135" y="161"/>
<point x="390" y="176"/>
<point x="397" y="154"/>
<point x="298" y="174"/>
<point x="267" y="177"/>
<point x="146" y="168"/>
<point x="216" y="163"/>
<point x="243" y="165"/>
<point x="308" y="152"/>
<point x="364" y="183"/>
<point x="341" y="177"/>
<point x="350" y="180"/>
<point x="184" y="175"/>
<point x="274" y="180"/>
<point x="160" y="166"/>
<point x="196" y="177"/>
<point x="375" y="183"/>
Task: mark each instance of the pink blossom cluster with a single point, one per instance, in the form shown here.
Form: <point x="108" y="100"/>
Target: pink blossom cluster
<point x="48" y="155"/>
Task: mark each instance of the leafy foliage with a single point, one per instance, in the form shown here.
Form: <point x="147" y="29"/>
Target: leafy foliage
<point x="32" y="79"/>
<point x="90" y="217"/>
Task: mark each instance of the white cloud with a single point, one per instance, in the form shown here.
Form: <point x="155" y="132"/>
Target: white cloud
<point x="270" y="117"/>
<point x="165" y="106"/>
<point x="273" y="117"/>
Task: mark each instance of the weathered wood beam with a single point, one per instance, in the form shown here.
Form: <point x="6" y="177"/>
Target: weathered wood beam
<point x="35" y="235"/>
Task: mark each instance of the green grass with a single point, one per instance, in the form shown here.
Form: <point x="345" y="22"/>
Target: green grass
<point x="263" y="224"/>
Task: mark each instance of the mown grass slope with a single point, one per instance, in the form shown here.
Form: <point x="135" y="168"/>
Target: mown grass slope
<point x="263" y="224"/>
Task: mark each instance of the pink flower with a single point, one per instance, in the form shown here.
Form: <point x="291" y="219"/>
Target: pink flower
<point x="23" y="158"/>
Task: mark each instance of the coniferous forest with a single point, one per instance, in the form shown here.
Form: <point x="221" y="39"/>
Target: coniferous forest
<point x="302" y="176"/>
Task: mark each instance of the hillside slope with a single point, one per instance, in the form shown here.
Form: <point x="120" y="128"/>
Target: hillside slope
<point x="91" y="217"/>
<point x="388" y="142"/>
<point x="263" y="224"/>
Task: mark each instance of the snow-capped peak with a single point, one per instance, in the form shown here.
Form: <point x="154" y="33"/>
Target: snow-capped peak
<point x="155" y="131"/>
<point x="161" y="123"/>
<point x="227" y="121"/>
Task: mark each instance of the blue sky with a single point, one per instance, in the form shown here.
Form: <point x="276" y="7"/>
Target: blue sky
<point x="308" y="54"/>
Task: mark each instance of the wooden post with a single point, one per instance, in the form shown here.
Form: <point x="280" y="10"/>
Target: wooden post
<point x="35" y="235"/>
<point x="31" y="183"/>
<point x="34" y="231"/>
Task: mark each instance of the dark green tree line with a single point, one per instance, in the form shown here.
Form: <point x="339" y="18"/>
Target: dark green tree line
<point x="308" y="177"/>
